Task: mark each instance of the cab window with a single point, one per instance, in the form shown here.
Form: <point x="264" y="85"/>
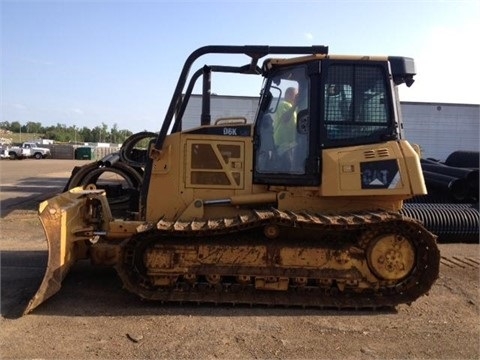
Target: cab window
<point x="356" y="105"/>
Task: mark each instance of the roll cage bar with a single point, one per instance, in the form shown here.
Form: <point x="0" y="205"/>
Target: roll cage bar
<point x="255" y="52"/>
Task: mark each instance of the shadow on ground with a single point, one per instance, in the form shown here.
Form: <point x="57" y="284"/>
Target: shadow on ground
<point x="32" y="191"/>
<point x="97" y="291"/>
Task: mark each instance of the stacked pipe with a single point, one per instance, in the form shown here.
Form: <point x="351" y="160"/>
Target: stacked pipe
<point x="450" y="210"/>
<point x="458" y="184"/>
<point x="450" y="222"/>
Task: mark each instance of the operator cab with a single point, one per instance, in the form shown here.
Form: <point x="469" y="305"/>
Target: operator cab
<point x="339" y="102"/>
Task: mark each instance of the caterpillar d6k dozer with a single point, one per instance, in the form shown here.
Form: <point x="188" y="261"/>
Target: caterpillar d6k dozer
<point x="299" y="208"/>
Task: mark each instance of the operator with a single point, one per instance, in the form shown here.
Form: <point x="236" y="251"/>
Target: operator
<point x="285" y="127"/>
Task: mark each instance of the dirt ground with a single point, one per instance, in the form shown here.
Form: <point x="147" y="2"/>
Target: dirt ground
<point x="93" y="317"/>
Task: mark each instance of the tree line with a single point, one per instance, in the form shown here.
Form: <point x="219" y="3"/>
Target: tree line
<point x="71" y="134"/>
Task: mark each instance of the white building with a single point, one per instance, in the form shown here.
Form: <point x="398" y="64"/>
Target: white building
<point x="439" y="128"/>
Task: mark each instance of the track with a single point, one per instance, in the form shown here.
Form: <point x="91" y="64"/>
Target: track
<point x="271" y="257"/>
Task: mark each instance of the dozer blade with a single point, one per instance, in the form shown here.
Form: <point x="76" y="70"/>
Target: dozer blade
<point x="64" y="219"/>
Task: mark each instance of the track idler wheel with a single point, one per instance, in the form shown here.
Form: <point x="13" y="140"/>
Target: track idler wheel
<point x="391" y="257"/>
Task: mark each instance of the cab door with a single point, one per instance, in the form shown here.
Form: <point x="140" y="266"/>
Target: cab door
<point x="285" y="152"/>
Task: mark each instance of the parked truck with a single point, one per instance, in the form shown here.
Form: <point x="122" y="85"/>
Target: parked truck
<point x="27" y="150"/>
<point x="15" y="153"/>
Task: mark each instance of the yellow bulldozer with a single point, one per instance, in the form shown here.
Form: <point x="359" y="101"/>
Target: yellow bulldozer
<point x="300" y="207"/>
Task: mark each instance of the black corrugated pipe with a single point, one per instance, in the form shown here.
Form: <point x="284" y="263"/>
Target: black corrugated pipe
<point x="457" y="188"/>
<point x="428" y="199"/>
<point x="450" y="222"/>
<point x="470" y="175"/>
<point x="465" y="159"/>
<point x="448" y="170"/>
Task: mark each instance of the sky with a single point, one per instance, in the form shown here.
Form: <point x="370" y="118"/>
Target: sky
<point x="88" y="63"/>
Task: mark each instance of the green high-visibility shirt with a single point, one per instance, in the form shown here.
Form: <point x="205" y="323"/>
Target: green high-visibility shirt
<point x="284" y="127"/>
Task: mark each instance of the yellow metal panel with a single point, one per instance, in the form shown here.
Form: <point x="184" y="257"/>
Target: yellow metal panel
<point x="166" y="196"/>
<point x="171" y="190"/>
<point x="342" y="171"/>
<point x="214" y="164"/>
<point x="412" y="163"/>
